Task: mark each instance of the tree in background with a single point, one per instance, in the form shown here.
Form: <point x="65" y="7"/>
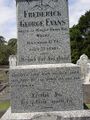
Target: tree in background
<point x="2" y="40"/>
<point x="12" y="46"/>
<point x="80" y="37"/>
<point x="6" y="50"/>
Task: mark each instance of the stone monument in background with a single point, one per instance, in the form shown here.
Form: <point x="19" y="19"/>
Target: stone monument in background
<point x="45" y="85"/>
<point x="84" y="64"/>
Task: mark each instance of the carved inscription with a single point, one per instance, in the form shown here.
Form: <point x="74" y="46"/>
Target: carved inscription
<point x="47" y="89"/>
<point x="43" y="32"/>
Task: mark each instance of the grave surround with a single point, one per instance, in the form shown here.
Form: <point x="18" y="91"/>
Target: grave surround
<point x="44" y="84"/>
<point x="58" y="115"/>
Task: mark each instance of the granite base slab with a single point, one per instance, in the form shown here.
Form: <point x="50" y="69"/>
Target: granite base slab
<point x="60" y="115"/>
<point x="44" y="88"/>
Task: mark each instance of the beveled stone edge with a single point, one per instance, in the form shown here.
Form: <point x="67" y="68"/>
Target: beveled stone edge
<point x="29" y="116"/>
<point x="44" y="66"/>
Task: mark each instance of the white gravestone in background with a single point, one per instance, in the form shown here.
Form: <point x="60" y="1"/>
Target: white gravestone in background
<point x="84" y="64"/>
<point x="12" y="61"/>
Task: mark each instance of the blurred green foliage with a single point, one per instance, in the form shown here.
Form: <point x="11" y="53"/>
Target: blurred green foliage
<point x="4" y="105"/>
<point x="7" y="49"/>
<point x="80" y="37"/>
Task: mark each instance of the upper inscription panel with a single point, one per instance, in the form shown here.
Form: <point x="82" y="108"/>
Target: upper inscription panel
<point x="43" y="32"/>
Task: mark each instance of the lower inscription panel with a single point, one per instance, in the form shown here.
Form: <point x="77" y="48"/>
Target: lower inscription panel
<point x="46" y="88"/>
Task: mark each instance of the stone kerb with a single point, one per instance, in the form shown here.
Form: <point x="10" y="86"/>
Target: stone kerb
<point x="61" y="115"/>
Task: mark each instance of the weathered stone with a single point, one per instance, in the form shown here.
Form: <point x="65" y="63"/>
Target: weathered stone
<point x="61" y="115"/>
<point x="41" y="89"/>
<point x="82" y="62"/>
<point x="49" y="87"/>
<point x="12" y="61"/>
<point x="86" y="93"/>
<point x="43" y="32"/>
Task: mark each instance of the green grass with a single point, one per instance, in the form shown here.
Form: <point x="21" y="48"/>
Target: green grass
<point x="3" y="75"/>
<point x="4" y="105"/>
<point x="88" y="105"/>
